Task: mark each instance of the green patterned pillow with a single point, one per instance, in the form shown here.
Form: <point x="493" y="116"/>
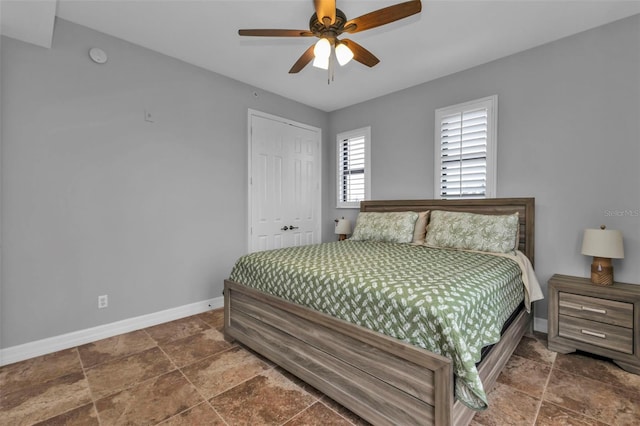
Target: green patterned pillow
<point x="470" y="231"/>
<point x="392" y="227"/>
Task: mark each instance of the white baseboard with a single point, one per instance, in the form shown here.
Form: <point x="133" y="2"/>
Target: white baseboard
<point x="81" y="337"/>
<point x="540" y="324"/>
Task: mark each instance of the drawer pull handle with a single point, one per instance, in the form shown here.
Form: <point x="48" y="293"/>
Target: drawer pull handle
<point x="597" y="311"/>
<point x="594" y="334"/>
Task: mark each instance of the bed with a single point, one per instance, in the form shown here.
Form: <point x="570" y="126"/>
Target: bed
<point x="383" y="379"/>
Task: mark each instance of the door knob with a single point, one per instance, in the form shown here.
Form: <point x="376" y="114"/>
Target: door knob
<point x="284" y="228"/>
<point x="293" y="227"/>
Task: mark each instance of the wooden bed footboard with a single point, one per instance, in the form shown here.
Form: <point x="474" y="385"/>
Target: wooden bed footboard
<point x="381" y="379"/>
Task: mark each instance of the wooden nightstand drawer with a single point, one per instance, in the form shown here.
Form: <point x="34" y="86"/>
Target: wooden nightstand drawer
<point x="596" y="309"/>
<point x="604" y="335"/>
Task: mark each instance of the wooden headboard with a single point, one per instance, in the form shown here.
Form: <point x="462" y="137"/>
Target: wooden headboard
<point x="524" y="206"/>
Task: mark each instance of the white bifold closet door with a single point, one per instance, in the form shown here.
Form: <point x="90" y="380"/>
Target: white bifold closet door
<point x="284" y="183"/>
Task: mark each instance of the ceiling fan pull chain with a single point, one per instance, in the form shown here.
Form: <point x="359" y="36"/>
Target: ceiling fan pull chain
<point x="331" y="69"/>
<point x="330" y="76"/>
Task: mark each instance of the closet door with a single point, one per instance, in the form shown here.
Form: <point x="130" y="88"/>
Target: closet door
<point x="284" y="183"/>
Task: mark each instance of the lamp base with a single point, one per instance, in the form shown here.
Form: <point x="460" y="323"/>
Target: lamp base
<point x="602" y="271"/>
<point x="342" y="237"/>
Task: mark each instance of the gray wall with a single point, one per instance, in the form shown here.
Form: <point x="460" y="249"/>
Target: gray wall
<point x="95" y="200"/>
<point x="568" y="135"/>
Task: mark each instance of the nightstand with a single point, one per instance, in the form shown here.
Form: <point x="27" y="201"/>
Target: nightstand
<point x="603" y="320"/>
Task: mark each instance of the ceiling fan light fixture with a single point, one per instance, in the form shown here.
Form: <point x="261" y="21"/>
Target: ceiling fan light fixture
<point x="343" y="54"/>
<point x="322" y="49"/>
<point x="320" y="62"/>
<point x="328" y="23"/>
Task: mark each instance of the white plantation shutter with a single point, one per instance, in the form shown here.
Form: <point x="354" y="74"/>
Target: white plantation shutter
<point x="353" y="167"/>
<point x="465" y="150"/>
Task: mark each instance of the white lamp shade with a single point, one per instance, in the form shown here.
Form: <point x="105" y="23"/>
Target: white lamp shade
<point x="322" y="48"/>
<point x="343" y="54"/>
<point x="603" y="243"/>
<point x="322" y="63"/>
<point x="343" y="227"/>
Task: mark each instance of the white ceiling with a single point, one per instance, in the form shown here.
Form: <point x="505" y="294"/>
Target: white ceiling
<point x="448" y="36"/>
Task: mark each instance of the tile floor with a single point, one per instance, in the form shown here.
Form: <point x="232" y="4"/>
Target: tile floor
<point x="184" y="373"/>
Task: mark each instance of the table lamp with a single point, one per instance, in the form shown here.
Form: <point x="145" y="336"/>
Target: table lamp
<point x="343" y="228"/>
<point x="603" y="244"/>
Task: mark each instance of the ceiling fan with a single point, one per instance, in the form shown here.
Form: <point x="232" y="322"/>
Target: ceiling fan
<point x="328" y="23"/>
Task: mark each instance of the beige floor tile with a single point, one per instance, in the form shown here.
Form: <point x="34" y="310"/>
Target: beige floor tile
<point x="81" y="416"/>
<point x="178" y="329"/>
<point x="535" y="349"/>
<point x="35" y="371"/>
<point x="220" y="372"/>
<point x="149" y="402"/>
<point x="115" y="347"/>
<point x="44" y="400"/>
<point x="598" y="368"/>
<point x="553" y="415"/>
<point x="116" y="375"/>
<point x="202" y="414"/>
<point x="507" y="406"/>
<point x="196" y="347"/>
<point x="267" y="399"/>
<point x="318" y="415"/>
<point x="593" y="398"/>
<point x="525" y="375"/>
<point x="215" y="318"/>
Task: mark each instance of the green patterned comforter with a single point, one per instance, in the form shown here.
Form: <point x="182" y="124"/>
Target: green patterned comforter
<point x="449" y="302"/>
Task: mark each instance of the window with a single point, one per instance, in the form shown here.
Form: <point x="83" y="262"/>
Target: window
<point x="354" y="170"/>
<point x="465" y="149"/>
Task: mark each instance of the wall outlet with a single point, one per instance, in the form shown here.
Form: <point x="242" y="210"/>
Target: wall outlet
<point x="103" y="301"/>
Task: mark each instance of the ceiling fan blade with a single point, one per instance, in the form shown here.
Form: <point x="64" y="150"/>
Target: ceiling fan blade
<point x="360" y="54"/>
<point x="383" y="16"/>
<point x="276" y="33"/>
<point x="326" y="11"/>
<point x="303" y="60"/>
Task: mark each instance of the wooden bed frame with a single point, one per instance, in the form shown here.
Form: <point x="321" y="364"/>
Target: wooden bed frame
<point x="383" y="380"/>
